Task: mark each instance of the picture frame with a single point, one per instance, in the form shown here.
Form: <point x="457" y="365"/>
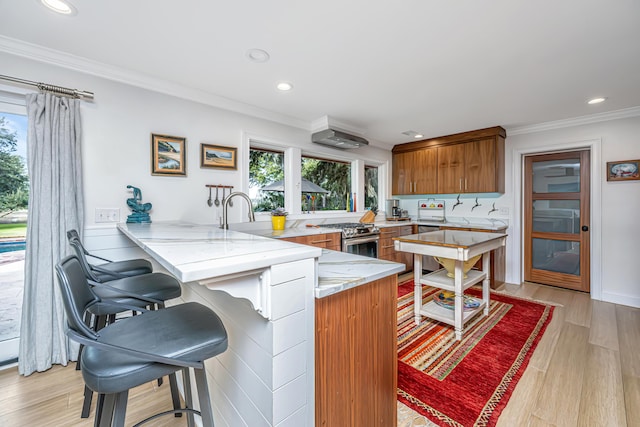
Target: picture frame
<point x="218" y="157"/>
<point x="168" y="155"/>
<point x="623" y="170"/>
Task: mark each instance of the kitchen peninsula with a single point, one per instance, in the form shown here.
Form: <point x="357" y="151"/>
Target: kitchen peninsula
<point x="307" y="327"/>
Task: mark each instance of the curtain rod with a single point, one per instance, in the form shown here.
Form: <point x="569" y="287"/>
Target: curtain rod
<point x="75" y="93"/>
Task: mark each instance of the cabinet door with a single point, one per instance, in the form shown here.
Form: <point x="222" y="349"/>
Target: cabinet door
<point x="451" y="169"/>
<point x="425" y="171"/>
<point x="402" y="165"/>
<point x="480" y="166"/>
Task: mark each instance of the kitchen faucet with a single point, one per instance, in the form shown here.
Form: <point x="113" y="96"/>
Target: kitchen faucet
<point x="225" y="204"/>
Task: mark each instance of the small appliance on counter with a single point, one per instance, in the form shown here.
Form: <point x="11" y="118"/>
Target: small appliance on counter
<point x="393" y="211"/>
<point x="431" y="210"/>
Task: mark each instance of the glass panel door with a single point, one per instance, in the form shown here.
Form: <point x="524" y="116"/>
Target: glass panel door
<point x="557" y="219"/>
<point x="14" y="196"/>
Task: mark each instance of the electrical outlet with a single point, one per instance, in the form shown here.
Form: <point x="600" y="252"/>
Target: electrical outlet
<point x="107" y="215"/>
<point x="504" y="211"/>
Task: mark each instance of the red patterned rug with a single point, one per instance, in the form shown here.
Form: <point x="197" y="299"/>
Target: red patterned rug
<point x="465" y="383"/>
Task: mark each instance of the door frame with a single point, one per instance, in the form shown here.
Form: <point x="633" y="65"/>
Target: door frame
<point x="517" y="249"/>
<point x="12" y="102"/>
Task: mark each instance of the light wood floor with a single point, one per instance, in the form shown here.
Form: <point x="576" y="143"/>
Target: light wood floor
<point x="585" y="372"/>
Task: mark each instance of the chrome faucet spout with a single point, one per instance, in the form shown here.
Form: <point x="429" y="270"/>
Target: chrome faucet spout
<point x="225" y="205"/>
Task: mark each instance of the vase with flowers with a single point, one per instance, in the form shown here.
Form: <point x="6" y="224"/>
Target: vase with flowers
<point x="278" y="218"/>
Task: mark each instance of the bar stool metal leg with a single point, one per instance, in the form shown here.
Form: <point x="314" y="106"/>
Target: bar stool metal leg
<point x="188" y="396"/>
<point x="120" y="410"/>
<point x="204" y="398"/>
<point x="106" y="414"/>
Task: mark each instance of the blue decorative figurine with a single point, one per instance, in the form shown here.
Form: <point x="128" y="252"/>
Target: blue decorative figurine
<point x="140" y="210"/>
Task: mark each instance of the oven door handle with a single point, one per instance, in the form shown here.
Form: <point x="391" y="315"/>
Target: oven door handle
<point x="358" y="240"/>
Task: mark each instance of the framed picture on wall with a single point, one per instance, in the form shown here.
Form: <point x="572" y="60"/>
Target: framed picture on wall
<point x="168" y="155"/>
<point x="218" y="157"/>
<point x="625" y="170"/>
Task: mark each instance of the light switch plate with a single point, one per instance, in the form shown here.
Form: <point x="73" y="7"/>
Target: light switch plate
<point x="107" y="215"/>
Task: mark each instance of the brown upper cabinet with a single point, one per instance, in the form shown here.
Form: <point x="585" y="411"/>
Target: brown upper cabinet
<point x="469" y="162"/>
<point x="415" y="172"/>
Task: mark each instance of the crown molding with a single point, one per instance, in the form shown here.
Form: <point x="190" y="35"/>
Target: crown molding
<point x="576" y="121"/>
<point x="141" y="80"/>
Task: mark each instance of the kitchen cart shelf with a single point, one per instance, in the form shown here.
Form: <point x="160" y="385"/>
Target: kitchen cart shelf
<point x="447" y="315"/>
<point x="439" y="279"/>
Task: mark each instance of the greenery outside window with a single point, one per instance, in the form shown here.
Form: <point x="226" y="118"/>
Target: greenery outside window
<point x="370" y="187"/>
<point x="14" y="180"/>
<point x="266" y="167"/>
<point x="334" y="177"/>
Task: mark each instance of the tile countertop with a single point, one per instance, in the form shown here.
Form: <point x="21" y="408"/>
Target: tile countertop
<point x="196" y="252"/>
<point x="339" y="271"/>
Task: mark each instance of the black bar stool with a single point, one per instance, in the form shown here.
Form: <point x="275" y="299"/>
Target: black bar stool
<point x="110" y="270"/>
<point x="139" y="349"/>
<point x="122" y="282"/>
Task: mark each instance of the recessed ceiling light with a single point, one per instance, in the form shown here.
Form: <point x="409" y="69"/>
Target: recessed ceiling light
<point x="596" y="101"/>
<point x="284" y="86"/>
<point x="60" y="6"/>
<point x="413" y="134"/>
<point x="257" y="55"/>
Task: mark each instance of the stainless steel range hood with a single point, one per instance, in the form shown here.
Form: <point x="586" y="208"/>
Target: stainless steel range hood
<point x="338" y="139"/>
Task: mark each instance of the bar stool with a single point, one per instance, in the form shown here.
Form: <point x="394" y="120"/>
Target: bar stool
<point x="139" y="349"/>
<point x="110" y="270"/>
<point x="122" y="282"/>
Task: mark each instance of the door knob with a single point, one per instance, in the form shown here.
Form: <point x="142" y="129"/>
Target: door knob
<point x="585" y="228"/>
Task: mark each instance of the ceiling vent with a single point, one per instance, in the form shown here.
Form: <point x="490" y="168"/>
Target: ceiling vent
<point x="337" y="139"/>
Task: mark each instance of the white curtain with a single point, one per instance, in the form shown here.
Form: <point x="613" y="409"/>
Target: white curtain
<point x="55" y="205"/>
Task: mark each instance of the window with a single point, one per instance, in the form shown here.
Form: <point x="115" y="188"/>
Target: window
<point x="370" y="187"/>
<point x="331" y="176"/>
<point x="266" y="179"/>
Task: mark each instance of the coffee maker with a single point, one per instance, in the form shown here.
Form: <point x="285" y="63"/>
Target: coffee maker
<point x="393" y="210"/>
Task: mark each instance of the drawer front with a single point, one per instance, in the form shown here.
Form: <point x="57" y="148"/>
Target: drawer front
<point x="405" y="230"/>
<point x="388" y="232"/>
<point x="385" y="247"/>
<point x="327" y="240"/>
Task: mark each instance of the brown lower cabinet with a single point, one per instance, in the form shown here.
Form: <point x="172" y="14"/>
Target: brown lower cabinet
<point x="327" y="240"/>
<point x="496" y="258"/>
<point x="356" y="356"/>
<point x="386" y="249"/>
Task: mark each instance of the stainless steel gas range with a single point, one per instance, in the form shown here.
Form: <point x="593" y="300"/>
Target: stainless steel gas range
<point x="358" y="238"/>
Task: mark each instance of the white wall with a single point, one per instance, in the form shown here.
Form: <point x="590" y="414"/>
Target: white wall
<point x="116" y="152"/>
<point x="616" y="254"/>
<point x="117" y="129"/>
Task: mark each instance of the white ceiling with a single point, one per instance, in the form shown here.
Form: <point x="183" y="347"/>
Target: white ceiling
<point x="379" y="67"/>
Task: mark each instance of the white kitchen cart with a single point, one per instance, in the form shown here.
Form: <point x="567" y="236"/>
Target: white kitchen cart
<point x="460" y="246"/>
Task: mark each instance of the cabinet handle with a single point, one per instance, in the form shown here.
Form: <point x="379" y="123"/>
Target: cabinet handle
<point x="386" y="247"/>
<point x="465" y="184"/>
<point x="460" y="185"/>
<point x="321" y="241"/>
